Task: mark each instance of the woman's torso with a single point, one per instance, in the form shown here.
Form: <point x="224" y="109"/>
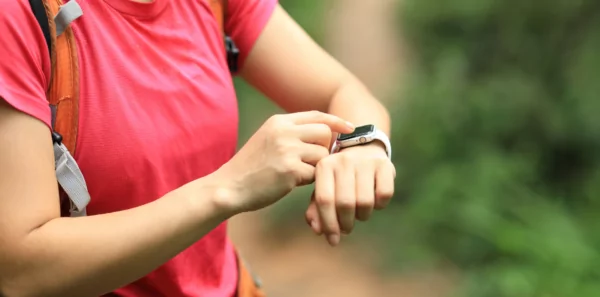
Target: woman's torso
<point x="157" y="110"/>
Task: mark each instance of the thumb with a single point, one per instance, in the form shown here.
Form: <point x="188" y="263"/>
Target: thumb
<point x="336" y="124"/>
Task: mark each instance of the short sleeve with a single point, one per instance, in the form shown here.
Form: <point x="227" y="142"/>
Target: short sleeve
<point x="246" y="20"/>
<point x="24" y="60"/>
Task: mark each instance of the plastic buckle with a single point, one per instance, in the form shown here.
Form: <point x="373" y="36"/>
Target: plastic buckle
<point x="233" y="54"/>
<point x="56" y="138"/>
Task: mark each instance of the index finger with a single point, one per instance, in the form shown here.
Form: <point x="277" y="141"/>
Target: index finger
<point x="335" y="123"/>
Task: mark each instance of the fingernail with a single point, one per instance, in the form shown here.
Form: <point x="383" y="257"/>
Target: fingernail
<point x="350" y="125"/>
<point x="333" y="239"/>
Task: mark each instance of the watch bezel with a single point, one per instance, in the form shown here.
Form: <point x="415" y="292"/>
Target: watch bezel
<point x="360" y="131"/>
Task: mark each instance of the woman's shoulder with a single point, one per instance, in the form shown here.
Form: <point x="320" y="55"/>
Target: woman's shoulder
<point x="25" y="63"/>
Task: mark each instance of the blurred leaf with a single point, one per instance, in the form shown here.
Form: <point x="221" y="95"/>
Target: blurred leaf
<point x="497" y="145"/>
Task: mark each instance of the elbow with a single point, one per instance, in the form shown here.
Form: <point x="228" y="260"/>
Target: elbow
<point x="9" y="273"/>
<point x="14" y="281"/>
<point x="15" y="291"/>
<point x="7" y="289"/>
<point x="19" y="285"/>
<point x="6" y="292"/>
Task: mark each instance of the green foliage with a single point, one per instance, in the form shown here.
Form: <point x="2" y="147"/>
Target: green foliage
<point x="309" y="14"/>
<point x="497" y="146"/>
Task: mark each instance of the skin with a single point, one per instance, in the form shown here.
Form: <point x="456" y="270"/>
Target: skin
<point x="286" y="152"/>
<point x="297" y="74"/>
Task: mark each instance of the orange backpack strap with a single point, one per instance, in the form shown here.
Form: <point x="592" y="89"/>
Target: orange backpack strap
<point x="248" y="284"/>
<point x="219" y="8"/>
<point x="62" y="94"/>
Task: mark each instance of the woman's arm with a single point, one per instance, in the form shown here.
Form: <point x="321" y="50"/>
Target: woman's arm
<point x="42" y="254"/>
<point x="296" y="73"/>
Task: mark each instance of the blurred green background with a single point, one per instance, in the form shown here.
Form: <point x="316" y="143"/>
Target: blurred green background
<point x="497" y="147"/>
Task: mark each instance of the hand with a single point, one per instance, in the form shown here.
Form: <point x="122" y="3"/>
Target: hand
<point x="349" y="185"/>
<point x="280" y="156"/>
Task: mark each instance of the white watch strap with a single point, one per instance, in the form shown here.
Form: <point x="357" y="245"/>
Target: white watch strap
<point x="379" y="135"/>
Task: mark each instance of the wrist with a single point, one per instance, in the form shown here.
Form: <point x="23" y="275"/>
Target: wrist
<point x="225" y="199"/>
<point x="211" y="194"/>
<point x="373" y="148"/>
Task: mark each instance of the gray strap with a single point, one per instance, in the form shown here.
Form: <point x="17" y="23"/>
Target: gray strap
<point x="71" y="179"/>
<point x="66" y="15"/>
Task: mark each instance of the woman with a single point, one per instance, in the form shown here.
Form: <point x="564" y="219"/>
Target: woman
<point x="156" y="144"/>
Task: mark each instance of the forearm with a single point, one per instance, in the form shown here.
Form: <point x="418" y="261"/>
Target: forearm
<point x="291" y="69"/>
<point x="93" y="255"/>
<point x="354" y="103"/>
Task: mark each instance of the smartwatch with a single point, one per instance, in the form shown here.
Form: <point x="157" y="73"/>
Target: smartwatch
<point x="362" y="135"/>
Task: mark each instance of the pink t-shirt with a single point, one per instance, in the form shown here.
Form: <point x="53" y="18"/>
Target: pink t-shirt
<point x="158" y="109"/>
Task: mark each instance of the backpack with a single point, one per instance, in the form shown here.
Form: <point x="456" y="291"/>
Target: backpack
<point x="54" y="19"/>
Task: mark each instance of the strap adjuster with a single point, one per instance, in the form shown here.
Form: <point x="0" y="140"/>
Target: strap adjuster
<point x="233" y="54"/>
<point x="56" y="138"/>
<point x="67" y="13"/>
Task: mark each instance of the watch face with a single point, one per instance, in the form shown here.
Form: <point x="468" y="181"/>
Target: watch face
<point x="359" y="131"/>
